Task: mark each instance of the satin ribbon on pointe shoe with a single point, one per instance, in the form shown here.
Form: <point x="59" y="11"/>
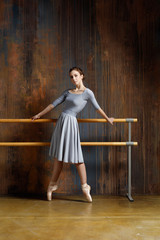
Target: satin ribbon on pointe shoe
<point x="86" y="191"/>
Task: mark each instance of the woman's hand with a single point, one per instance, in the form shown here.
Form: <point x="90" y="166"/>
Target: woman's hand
<point x="102" y="113"/>
<point x="110" y="120"/>
<point x="35" y="117"/>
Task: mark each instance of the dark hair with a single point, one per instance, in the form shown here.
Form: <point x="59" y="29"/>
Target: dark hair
<point x="78" y="70"/>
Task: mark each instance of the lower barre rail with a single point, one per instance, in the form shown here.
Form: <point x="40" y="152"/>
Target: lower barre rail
<point x="20" y="144"/>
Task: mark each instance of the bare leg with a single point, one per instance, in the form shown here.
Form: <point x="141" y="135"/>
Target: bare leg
<point x="81" y="168"/>
<point x="55" y="175"/>
<point x="57" y="168"/>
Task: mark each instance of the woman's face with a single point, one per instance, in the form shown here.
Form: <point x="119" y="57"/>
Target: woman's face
<point x="76" y="77"/>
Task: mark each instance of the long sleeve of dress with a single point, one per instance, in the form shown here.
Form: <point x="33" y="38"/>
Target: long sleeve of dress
<point x="60" y="99"/>
<point x="93" y="100"/>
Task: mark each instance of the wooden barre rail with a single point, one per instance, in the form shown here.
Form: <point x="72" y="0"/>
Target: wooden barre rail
<point x="82" y="143"/>
<point x="54" y="120"/>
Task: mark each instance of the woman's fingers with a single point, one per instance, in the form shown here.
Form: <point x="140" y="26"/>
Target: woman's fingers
<point x="111" y="120"/>
<point x="35" y="117"/>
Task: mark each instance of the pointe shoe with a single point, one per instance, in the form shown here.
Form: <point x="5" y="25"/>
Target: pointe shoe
<point x="86" y="191"/>
<point x="51" y="188"/>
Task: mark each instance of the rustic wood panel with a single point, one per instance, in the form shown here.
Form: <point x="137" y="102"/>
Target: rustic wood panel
<point x="116" y="43"/>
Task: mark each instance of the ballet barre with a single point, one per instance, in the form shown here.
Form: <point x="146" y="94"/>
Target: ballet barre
<point x="128" y="144"/>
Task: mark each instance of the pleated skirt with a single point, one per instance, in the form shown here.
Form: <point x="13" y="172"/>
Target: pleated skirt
<point x="65" y="141"/>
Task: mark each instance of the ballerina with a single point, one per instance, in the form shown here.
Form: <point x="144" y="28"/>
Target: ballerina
<point x="65" y="142"/>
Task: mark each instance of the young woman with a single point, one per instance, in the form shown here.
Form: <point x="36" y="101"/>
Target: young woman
<point x="65" y="142"/>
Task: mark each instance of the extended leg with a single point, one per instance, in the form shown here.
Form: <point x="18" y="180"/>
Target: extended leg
<point x="57" y="168"/>
<point x="55" y="175"/>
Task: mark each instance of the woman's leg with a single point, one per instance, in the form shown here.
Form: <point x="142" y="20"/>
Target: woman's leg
<point x="81" y="168"/>
<point x="57" y="168"/>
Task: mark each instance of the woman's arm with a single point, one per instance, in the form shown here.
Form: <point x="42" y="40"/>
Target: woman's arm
<point x="95" y="104"/>
<point x="102" y="113"/>
<point x="55" y="103"/>
<point x="46" y="110"/>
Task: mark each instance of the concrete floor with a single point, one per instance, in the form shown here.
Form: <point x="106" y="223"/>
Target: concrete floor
<point x="69" y="217"/>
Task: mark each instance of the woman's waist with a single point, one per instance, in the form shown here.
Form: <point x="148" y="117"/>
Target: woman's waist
<point x="69" y="112"/>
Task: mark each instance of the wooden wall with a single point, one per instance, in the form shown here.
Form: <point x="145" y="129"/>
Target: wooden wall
<point x="116" y="43"/>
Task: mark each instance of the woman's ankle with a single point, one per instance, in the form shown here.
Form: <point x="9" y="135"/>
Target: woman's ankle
<point x="84" y="185"/>
<point x="52" y="183"/>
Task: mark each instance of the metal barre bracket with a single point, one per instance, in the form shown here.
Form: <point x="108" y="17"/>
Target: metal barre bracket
<point x="129" y="143"/>
<point x="129" y="119"/>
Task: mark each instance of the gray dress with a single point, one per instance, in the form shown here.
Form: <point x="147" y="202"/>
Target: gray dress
<point x="65" y="141"/>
